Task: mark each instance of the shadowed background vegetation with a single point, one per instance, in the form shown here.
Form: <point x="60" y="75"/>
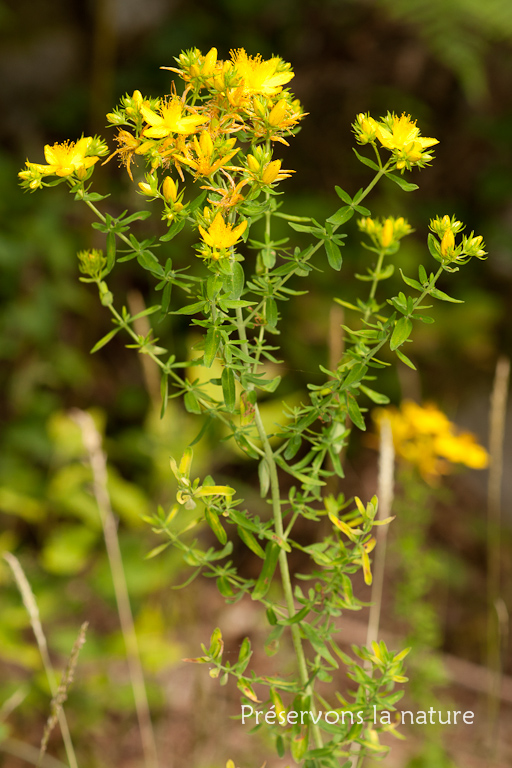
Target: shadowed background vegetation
<point x="62" y="67"/>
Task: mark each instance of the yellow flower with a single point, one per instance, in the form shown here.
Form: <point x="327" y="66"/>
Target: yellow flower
<point x="386" y="232"/>
<point x="365" y="128"/>
<point x="203" y="164"/>
<point x="221" y="235"/>
<point x="424" y="436"/>
<point x="68" y="158"/>
<point x="402" y="137"/>
<point x="170" y="120"/>
<point x="259" y="76"/>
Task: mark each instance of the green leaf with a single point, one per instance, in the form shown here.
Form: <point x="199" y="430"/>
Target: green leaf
<point x="401" y="333"/>
<point x="411" y="283"/>
<point x="105" y="340"/>
<point x="212" y="519"/>
<point x="207" y="423"/>
<point x="173" y="230"/>
<point x="269" y="385"/>
<point x="243" y="521"/>
<point x="211" y="345"/>
<point x="228" y="389"/>
<point x="318" y="644"/>
<point x="344" y="195"/>
<point x="354" y="412"/>
<point x="437" y="294"/>
<point x="366" y="160"/>
<point x="191" y="403"/>
<point x="264" y="476"/>
<point x="407" y="186"/>
<point x="149" y="262"/>
<point x="111" y="252"/>
<point x="164" y="394"/>
<point x="267" y="571"/>
<point x="271" y="311"/>
<point x="299" y="616"/>
<point x="422" y="274"/>
<point x="299" y="742"/>
<point x="250" y="541"/>
<point x="191" y="309"/>
<point x="375" y="397"/>
<point x="237" y="279"/>
<point x="341" y="216"/>
<point x="333" y="254"/>
<point x="355" y="375"/>
<point x="293" y="446"/>
<point x="405" y="359"/>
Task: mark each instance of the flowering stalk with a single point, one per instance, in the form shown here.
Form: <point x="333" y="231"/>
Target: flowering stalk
<point x="221" y="134"/>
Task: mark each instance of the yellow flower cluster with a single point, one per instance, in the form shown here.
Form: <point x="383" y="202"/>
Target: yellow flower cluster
<point x="445" y="248"/>
<point x="425" y="437"/>
<point x="385" y="232"/>
<point x="220" y="130"/>
<point x="399" y="135"/>
<point x="70" y="159"/>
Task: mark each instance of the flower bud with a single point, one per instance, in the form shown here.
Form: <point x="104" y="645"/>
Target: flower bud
<point x="271" y="172"/>
<point x="253" y="164"/>
<point x="169" y="189"/>
<point x="447" y="243"/>
<point x="387" y="233"/>
<point x="278" y="113"/>
<point x="210" y="60"/>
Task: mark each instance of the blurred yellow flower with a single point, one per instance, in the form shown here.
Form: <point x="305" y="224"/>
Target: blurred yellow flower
<point x="424" y="436"/>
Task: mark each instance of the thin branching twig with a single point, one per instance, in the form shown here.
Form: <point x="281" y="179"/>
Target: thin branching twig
<point x="61" y="695"/>
<point x="30" y="604"/>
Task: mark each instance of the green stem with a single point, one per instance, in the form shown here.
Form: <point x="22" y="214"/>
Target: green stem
<point x="376" y="275"/>
<point x="278" y="527"/>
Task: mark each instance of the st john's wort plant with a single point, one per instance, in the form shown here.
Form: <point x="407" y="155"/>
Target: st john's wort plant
<point x="209" y="150"/>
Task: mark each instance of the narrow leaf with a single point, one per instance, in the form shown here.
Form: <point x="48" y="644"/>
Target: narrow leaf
<point x="264" y="476"/>
<point x="344" y="195"/>
<point x="211" y="345"/>
<point x="407" y="186"/>
<point x="401" y="332"/>
<point x="267" y="572"/>
<point x="437" y="294"/>
<point x="341" y="216"/>
<point x="333" y="254"/>
<point x="354" y="412"/>
<point x="228" y="389"/>
<point x="405" y="359"/>
<point x="411" y="283"/>
<point x="250" y="541"/>
<point x="213" y="521"/>
<point x="111" y="251"/>
<point x="105" y="340"/>
<point x="366" y="161"/>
